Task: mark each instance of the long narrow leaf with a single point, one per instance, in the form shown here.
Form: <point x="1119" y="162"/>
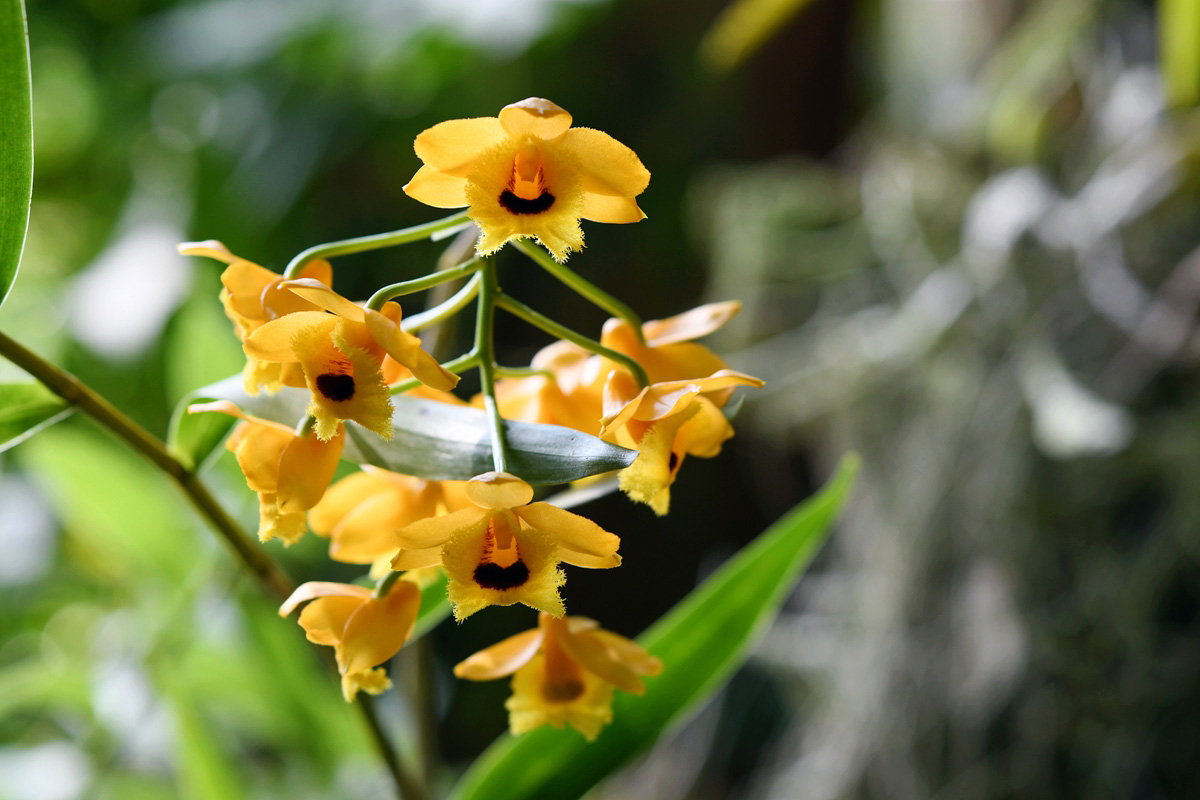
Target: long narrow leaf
<point x="16" y="140"/>
<point x="701" y="642"/>
<point x="431" y="440"/>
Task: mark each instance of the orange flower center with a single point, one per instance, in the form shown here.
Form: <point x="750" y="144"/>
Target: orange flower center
<point x="501" y="566"/>
<point x="562" y="691"/>
<point x="562" y="680"/>
<point x="526" y="190"/>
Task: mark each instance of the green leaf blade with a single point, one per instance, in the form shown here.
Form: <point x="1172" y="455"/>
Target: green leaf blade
<point x="701" y="642"/>
<point x="1179" y="46"/>
<point x="16" y="140"/>
<point x="25" y="409"/>
<point x="432" y="440"/>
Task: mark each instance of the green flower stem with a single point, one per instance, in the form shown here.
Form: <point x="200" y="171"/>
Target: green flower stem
<point x="269" y="575"/>
<point x="407" y="787"/>
<point x="385" y="584"/>
<point x="421" y="284"/>
<point x="582" y="286"/>
<point x="377" y="241"/>
<point x="520" y="372"/>
<point x="489" y="294"/>
<point x="425" y="700"/>
<point x="463" y="362"/>
<point x="445" y="310"/>
<point x="540" y="320"/>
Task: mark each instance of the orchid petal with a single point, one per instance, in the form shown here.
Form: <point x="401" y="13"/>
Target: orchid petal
<point x="693" y="324"/>
<point x="379" y="628"/>
<point x="273" y="341"/>
<point x="534" y="116"/>
<point x="434" y="531"/>
<point x="452" y="146"/>
<point x="571" y="530"/>
<point x="501" y="659"/>
<point x="438" y="189"/>
<point x="314" y="589"/>
<point x="497" y="490"/>
<point x="324" y="297"/>
<point x="609" y="167"/>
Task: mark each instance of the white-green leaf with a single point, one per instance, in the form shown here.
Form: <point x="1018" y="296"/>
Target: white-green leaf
<point x="25" y="409"/>
<point x="431" y="440"/>
<point x="16" y="140"/>
<point x="701" y="642"/>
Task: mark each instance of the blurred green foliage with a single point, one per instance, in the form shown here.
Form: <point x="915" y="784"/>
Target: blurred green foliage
<point x="965" y="239"/>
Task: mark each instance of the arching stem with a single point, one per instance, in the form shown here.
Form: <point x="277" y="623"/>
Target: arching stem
<point x="581" y="285"/>
<point x="489" y="292"/>
<point x="540" y="320"/>
<point x="378" y="241"/>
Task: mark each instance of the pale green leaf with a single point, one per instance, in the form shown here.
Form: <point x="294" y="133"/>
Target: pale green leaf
<point x="124" y="518"/>
<point x="431" y="440"/>
<point x="16" y="140"/>
<point x="206" y="771"/>
<point x="25" y="409"/>
<point x="1179" y="48"/>
<point x="701" y="642"/>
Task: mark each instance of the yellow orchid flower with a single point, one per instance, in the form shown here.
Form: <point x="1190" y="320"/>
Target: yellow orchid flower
<point x="664" y="422"/>
<point x="360" y="511"/>
<point x="528" y="174"/>
<point x="364" y="630"/>
<point x="505" y="550"/>
<point x="341" y="354"/>
<point x="290" y="473"/>
<point x="252" y="296"/>
<point x="565" y="673"/>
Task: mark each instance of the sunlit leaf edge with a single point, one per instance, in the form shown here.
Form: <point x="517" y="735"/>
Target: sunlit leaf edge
<point x="16" y="141"/>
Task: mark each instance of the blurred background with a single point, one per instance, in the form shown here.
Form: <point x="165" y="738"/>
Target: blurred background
<point x="967" y="237"/>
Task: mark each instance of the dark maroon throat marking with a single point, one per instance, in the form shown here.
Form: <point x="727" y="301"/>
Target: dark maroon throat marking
<point x="519" y="205"/>
<point x="563" y="692"/>
<point x="494" y="576"/>
<point x="336" y="387"/>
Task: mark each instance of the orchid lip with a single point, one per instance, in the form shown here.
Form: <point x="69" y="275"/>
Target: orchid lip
<point x="516" y="204"/>
<point x="494" y="576"/>
<point x="336" y="387"/>
<point x="563" y="692"/>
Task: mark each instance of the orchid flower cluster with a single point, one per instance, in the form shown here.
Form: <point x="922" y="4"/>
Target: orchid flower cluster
<point x="526" y="174"/>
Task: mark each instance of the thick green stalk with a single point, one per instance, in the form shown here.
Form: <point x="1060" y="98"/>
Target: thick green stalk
<point x="489" y="292"/>
<point x="581" y="285"/>
<point x="540" y="320"/>
<point x="443" y="311"/>
<point x="378" y="241"/>
<point x="521" y="372"/>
